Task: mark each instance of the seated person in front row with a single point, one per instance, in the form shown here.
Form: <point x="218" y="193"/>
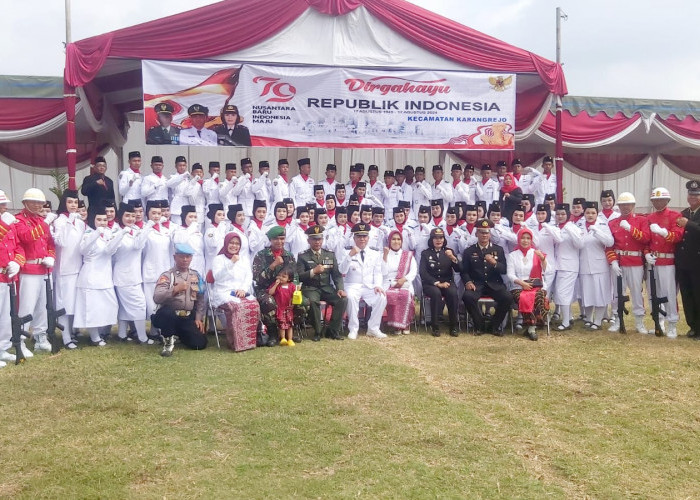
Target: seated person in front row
<point x="437" y="267"/>
<point x="362" y="268"/>
<point x="483" y="265"/>
<point x="321" y="280"/>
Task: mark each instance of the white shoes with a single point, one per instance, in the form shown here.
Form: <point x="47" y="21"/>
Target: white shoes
<point x="2" y="364"/>
<point x="42" y="343"/>
<point x="639" y="325"/>
<point x="25" y="350"/>
<point x="6" y="356"/>
<point x="376" y="335"/>
<point x="671" y="330"/>
<point x="352" y="335"/>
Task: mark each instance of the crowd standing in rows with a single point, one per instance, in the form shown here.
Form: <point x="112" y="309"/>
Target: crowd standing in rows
<point x="268" y="253"/>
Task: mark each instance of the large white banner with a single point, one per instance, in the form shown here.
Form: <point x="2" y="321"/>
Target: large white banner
<point x="289" y="106"/>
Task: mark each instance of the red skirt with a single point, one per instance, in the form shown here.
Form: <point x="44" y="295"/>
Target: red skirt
<point x="241" y="323"/>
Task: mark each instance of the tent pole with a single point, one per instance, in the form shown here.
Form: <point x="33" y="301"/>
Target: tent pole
<point x="69" y="104"/>
<point x="558" y="148"/>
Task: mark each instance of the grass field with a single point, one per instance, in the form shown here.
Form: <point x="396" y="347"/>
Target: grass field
<point x="574" y="415"/>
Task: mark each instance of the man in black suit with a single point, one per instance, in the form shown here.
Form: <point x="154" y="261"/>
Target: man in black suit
<point x="321" y="280"/>
<point x="98" y="188"/>
<point x="482" y="266"/>
<point x="165" y="132"/>
<point x="688" y="259"/>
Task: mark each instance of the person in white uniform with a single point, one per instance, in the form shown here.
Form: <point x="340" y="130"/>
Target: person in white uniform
<point x="280" y="185"/>
<point x="211" y="185"/>
<point x="153" y="186"/>
<point x="594" y="270"/>
<point x="226" y="186"/>
<point x="262" y="186"/>
<point x="190" y="232"/>
<point x="96" y="303"/>
<point x="567" y="261"/>
<point x="156" y="257"/>
<point x="178" y="185"/>
<point x="301" y="189"/>
<point x="67" y="234"/>
<point x="243" y="190"/>
<point x="127" y="277"/>
<point x="362" y="268"/>
<point x="130" y="179"/>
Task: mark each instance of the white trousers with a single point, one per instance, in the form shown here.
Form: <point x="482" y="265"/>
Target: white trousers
<point x="666" y="287"/>
<point x="148" y="289"/>
<point x="32" y="300"/>
<point x="632" y="278"/>
<point x="376" y="301"/>
<point x="5" y="321"/>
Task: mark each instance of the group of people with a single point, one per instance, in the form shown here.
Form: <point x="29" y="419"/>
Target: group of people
<point x="267" y="255"/>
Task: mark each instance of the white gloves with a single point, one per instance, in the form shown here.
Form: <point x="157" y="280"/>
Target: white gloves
<point x="48" y="261"/>
<point x="126" y="230"/>
<point x="193" y="228"/>
<point x="651" y="260"/>
<point x="215" y="176"/>
<point x="593" y="228"/>
<point x="656" y="229"/>
<point x="616" y="268"/>
<point x="197" y="178"/>
<point x="625" y="225"/>
<point x="150" y="223"/>
<point x="12" y="269"/>
<point x="8" y="218"/>
<point x="73" y="216"/>
<point x="162" y="220"/>
<point x="50" y="217"/>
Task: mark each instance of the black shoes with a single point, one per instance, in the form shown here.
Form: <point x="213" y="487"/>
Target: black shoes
<point x="454" y="332"/>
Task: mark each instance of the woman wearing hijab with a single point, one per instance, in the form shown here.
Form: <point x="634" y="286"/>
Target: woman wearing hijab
<point x="525" y="267"/>
<point x="237" y="217"/>
<point x="232" y="293"/>
<point x="68" y="231"/>
<point x="399" y="268"/>
<point x="511" y="195"/>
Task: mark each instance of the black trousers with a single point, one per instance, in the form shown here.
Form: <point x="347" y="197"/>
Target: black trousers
<point x="436" y="295"/>
<point x="503" y="299"/>
<point x="689" y="284"/>
<point x="183" y="326"/>
<point x="314" y="297"/>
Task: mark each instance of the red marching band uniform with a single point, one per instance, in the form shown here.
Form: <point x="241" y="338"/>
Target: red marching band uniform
<point x="10" y="252"/>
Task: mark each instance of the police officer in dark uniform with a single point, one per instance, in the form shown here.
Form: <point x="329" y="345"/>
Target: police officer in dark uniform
<point x="482" y="266"/>
<point x="321" y="280"/>
<point x="688" y="259"/>
<point x="165" y="132"/>
<point x="231" y="132"/>
<point x="437" y="267"/>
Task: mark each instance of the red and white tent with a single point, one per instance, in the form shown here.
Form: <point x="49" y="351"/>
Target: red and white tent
<point x="358" y="33"/>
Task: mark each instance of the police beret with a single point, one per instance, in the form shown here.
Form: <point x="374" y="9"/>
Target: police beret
<point x="275" y="232"/>
<point x="198" y="109"/>
<point x="373" y="167"/>
<point x="134" y="154"/>
<point x="184" y="249"/>
<point x="214" y="164"/>
<point x="164" y="107"/>
<point x="360" y="229"/>
<point x="314" y="232"/>
<point x="484" y="224"/>
<point x="304" y="161"/>
<point x="230" y="166"/>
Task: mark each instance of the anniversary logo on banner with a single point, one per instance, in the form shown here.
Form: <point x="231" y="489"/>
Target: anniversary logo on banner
<point x="225" y="104"/>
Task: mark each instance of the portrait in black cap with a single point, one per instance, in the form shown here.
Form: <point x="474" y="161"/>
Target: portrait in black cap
<point x="231" y="131"/>
<point x="693" y="187"/>
<point x="165" y="132"/>
<point x="197" y="134"/>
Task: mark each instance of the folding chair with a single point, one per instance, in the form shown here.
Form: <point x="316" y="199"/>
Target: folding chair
<point x="425" y="300"/>
<point x="210" y="281"/>
<point x="485" y="304"/>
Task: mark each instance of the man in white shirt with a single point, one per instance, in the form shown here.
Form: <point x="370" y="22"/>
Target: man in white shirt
<point x="226" y="186"/>
<point x="441" y="189"/>
<point x="488" y="189"/>
<point x="375" y="186"/>
<point x="280" y="186"/>
<point x="130" y="179"/>
<point x="197" y="134"/>
<point x="153" y="185"/>
<point x="244" y="187"/>
<point x="362" y="268"/>
<point x="301" y="189"/>
<point x="543" y="183"/>
<point x="329" y="182"/>
<point x="262" y="186"/>
<point x="211" y="185"/>
<point x="422" y="191"/>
